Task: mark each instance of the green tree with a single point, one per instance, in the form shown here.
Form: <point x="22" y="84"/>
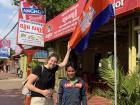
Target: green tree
<point x="16" y="2"/>
<point x="52" y="7"/>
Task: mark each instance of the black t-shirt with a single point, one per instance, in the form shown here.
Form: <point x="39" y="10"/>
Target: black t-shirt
<point x="46" y="79"/>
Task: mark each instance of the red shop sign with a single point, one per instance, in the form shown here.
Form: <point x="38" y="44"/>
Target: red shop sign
<point x="125" y="6"/>
<point x="65" y="23"/>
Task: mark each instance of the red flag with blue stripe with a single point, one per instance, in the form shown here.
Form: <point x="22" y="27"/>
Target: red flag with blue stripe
<point x="95" y="14"/>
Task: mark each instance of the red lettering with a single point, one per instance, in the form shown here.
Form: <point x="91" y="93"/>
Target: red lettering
<point x="24" y="26"/>
<point x="38" y="29"/>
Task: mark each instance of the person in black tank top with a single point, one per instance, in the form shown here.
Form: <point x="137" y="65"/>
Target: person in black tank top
<point x="44" y="79"/>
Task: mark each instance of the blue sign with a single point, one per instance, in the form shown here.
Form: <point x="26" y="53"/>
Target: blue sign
<point x="40" y="54"/>
<point x="4" y="52"/>
<point x="32" y="11"/>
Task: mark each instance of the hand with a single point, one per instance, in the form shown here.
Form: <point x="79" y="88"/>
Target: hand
<point x="68" y="47"/>
<point x="47" y="93"/>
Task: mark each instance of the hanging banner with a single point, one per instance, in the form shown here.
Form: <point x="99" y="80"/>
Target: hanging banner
<point x="4" y="53"/>
<point x="30" y="33"/>
<point x="5" y="43"/>
<point x="64" y="23"/>
<point x="29" y="11"/>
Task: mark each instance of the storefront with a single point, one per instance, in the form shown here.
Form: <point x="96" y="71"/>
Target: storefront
<point x="59" y="29"/>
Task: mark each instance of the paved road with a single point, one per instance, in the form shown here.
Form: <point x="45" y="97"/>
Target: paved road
<point x="10" y="93"/>
<point x="11" y="97"/>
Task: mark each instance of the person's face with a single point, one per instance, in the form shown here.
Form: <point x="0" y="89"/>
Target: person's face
<point x="70" y="72"/>
<point x="52" y="62"/>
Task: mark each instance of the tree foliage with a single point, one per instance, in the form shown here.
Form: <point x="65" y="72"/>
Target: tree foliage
<point x="128" y="86"/>
<point x="52" y="7"/>
<point x="16" y="2"/>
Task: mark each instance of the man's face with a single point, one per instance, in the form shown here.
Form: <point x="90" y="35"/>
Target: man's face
<point x="71" y="72"/>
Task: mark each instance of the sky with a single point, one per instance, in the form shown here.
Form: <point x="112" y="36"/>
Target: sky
<point x="8" y="18"/>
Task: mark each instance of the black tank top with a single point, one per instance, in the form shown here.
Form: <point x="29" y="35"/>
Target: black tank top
<point x="46" y="79"/>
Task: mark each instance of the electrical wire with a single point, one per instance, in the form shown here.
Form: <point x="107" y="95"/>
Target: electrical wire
<point x="10" y="31"/>
<point x="13" y="34"/>
<point x="9" y="22"/>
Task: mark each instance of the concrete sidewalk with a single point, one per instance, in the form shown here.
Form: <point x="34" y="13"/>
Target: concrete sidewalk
<point x="8" y="76"/>
<point x="7" y="84"/>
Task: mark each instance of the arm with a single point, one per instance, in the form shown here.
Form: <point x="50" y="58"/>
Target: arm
<point x="83" y="94"/>
<point x="31" y="79"/>
<point x="60" y="94"/>
<point x="65" y="60"/>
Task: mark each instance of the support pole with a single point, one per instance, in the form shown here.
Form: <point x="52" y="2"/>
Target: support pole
<point x="115" y="57"/>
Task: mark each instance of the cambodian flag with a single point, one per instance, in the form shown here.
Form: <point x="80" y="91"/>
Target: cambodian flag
<point x="95" y="14"/>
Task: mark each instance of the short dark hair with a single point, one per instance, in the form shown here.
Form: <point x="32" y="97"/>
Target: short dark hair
<point x="53" y="55"/>
<point x="71" y="64"/>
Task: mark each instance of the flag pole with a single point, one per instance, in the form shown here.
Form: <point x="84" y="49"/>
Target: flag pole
<point x="115" y="55"/>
